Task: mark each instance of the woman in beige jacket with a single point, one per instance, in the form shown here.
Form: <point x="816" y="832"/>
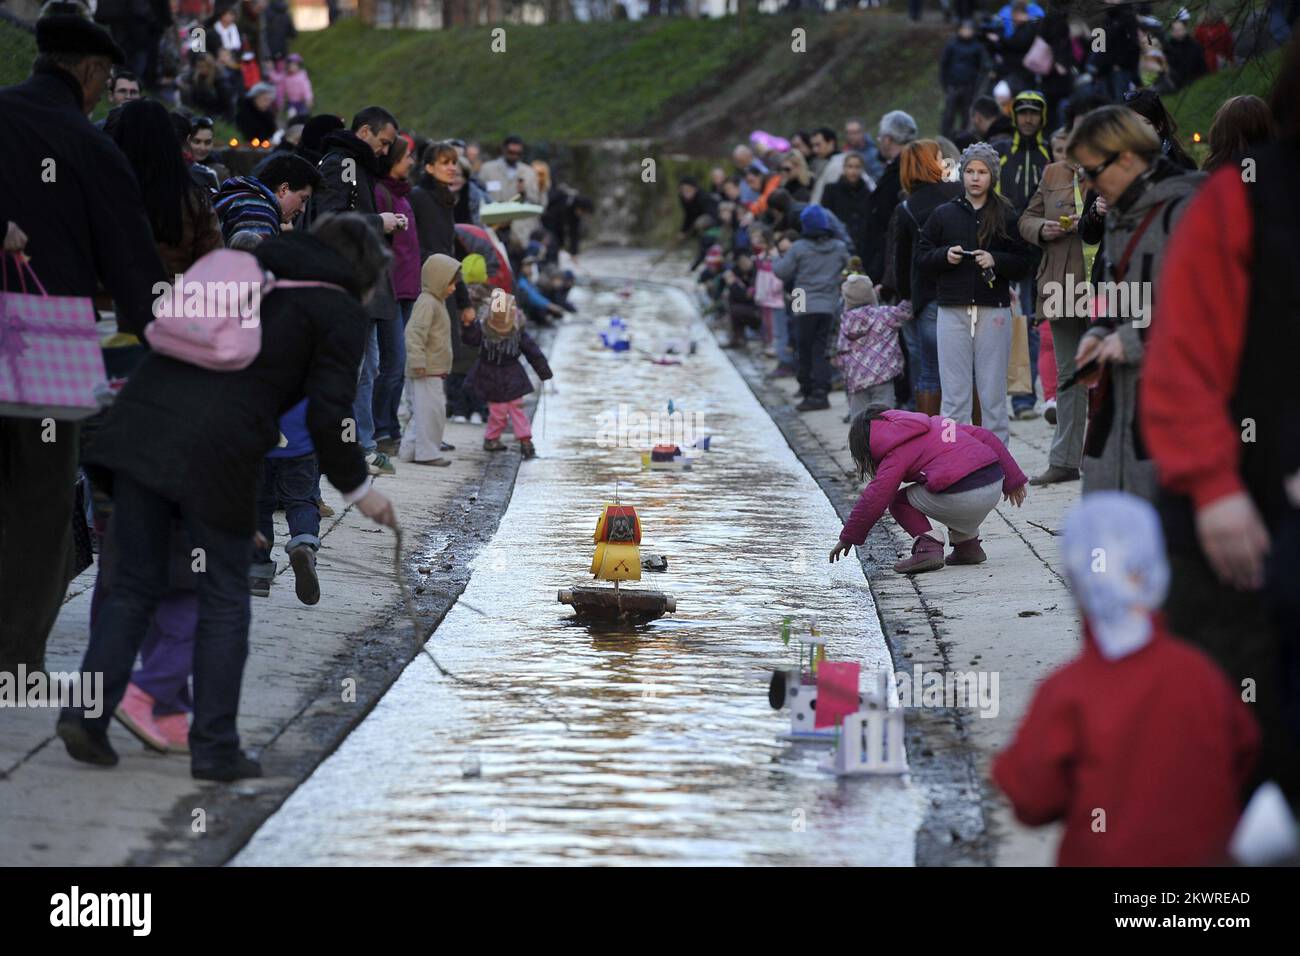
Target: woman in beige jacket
<point x="428" y="361"/>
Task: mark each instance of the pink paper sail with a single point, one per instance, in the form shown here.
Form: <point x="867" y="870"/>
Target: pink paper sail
<point x="769" y="143"/>
<point x="837" y="691"/>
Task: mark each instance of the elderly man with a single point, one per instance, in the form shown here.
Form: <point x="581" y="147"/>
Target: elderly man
<point x="858" y="140"/>
<point x="897" y="129"/>
<point x="744" y="158"/>
<point x="77" y="239"/>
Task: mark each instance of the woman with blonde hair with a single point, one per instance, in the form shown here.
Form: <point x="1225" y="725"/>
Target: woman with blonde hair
<point x="1120" y="157"/>
<point x="543" y="176"/>
<point x="922" y="173"/>
<point x="796" y="177"/>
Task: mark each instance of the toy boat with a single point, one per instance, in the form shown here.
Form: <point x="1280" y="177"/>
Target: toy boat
<point x="617" y="559"/>
<point x="615" y="336"/>
<point x="665" y="458"/>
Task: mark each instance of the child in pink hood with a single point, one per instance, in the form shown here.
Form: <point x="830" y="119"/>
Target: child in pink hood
<point x="295" y="89"/>
<point x="954" y="474"/>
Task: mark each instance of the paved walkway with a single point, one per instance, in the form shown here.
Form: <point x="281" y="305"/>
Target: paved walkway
<point x="54" y="811"/>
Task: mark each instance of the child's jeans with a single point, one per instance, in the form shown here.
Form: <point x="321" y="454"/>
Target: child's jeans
<point x="500" y="412"/>
<point x="961" y="511"/>
<point x="293" y="482"/>
<point x="422" y="440"/>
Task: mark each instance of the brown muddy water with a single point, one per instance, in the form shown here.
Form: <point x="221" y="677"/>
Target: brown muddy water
<point x="671" y="754"/>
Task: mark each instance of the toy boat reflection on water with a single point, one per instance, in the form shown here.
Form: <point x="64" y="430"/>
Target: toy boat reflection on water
<point x="617" y="559"/>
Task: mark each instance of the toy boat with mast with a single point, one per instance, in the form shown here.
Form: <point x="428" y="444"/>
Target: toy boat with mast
<point x="617" y="559"/>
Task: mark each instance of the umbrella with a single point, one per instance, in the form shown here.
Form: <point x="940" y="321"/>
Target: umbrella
<point x="495" y="213"/>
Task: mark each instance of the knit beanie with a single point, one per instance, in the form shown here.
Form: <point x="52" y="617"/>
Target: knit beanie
<point x="858" y="290"/>
<point x="502" y="316"/>
<point x="813" y="222"/>
<point x="1113" y="552"/>
<point x="473" y="269"/>
<point x="987" y="155"/>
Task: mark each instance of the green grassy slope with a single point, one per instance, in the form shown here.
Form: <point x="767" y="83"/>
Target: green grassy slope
<point x="580" y="81"/>
<point x="1193" y="108"/>
<point x="17" y="50"/>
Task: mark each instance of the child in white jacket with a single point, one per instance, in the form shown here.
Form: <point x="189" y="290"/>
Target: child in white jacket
<point x="428" y="362"/>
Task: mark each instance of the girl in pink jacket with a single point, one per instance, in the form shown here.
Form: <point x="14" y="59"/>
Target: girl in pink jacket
<point x="924" y="467"/>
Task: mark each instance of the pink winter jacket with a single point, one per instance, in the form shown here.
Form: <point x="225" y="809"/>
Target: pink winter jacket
<point x="910" y="447"/>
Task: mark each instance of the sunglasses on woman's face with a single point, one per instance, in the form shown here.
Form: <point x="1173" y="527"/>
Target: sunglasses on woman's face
<point x="1092" y="172"/>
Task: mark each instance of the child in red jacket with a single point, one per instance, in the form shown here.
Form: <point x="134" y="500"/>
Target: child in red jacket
<point x="1140" y="744"/>
<point x="957" y="474"/>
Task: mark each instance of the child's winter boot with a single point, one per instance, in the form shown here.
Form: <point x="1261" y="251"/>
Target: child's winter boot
<point x="927" y="555"/>
<point x="493" y="444"/>
<point x="967" y="552"/>
<point x="526" y="448"/>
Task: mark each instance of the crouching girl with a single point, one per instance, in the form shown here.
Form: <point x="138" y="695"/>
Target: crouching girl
<point x="953" y="474"/>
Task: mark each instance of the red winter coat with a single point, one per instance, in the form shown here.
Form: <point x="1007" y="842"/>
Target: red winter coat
<point x="1159" y="740"/>
<point x="910" y="447"/>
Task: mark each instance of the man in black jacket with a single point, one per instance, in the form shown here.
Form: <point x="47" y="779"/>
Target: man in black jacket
<point x="347" y="184"/>
<point x="897" y="129"/>
<point x="1023" y="160"/>
<point x="70" y="190"/>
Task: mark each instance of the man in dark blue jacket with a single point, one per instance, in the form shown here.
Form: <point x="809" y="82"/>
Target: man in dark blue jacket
<point x="963" y="63"/>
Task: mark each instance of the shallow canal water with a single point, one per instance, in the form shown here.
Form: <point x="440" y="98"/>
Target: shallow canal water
<point x="671" y="754"/>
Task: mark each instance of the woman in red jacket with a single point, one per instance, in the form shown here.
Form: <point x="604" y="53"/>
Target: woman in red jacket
<point x="956" y="474"/>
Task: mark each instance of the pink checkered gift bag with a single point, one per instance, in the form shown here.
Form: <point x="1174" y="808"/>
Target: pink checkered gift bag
<point x="51" y="365"/>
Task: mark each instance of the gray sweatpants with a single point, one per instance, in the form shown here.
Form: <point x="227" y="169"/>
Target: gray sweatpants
<point x="882" y="394"/>
<point x="422" y="440"/>
<point x="983" y="349"/>
<point x="962" y="512"/>
<point x="1072" y="403"/>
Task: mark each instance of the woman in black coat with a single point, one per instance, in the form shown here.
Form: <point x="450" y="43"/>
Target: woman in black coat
<point x="850" y="199"/>
<point x="185" y="440"/>
<point x="435" y="204"/>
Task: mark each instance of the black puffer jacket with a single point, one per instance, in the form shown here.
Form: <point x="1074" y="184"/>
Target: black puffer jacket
<point x="905" y="233"/>
<point x="197" y="436"/>
<point x="956" y="223"/>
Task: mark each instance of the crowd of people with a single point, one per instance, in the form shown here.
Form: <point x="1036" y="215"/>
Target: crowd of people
<point x="395" y="307"/>
<point x="909" y="270"/>
<point x="1063" y="255"/>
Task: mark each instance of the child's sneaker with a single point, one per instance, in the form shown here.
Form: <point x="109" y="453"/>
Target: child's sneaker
<point x="493" y="444"/>
<point x="136" y="714"/>
<point x="1049" y="411"/>
<point x="377" y="463"/>
<point x="325" y="510"/>
<point x="175" y="729"/>
<point x="306" y="585"/>
<point x="260" y="576"/>
<point x="526" y="448"/>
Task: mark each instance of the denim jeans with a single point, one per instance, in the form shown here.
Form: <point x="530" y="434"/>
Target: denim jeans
<point x="391" y="336"/>
<point x="782" y="337"/>
<point x="142" y="530"/>
<point x="814" y="367"/>
<point x="363" y="408"/>
<point x="1028" y="300"/>
<point x="293" y="482"/>
<point x="921" y="339"/>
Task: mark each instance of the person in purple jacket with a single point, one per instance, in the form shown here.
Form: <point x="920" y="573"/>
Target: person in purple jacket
<point x="923" y="467"/>
<point x="499" y="377"/>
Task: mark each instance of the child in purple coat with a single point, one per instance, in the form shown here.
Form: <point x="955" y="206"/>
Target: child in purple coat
<point x="956" y="472"/>
<point x="498" y="377"/>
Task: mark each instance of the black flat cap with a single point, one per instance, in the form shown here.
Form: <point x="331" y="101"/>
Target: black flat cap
<point x="67" y="33"/>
